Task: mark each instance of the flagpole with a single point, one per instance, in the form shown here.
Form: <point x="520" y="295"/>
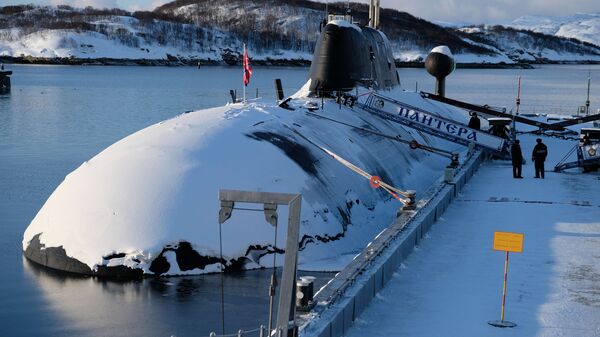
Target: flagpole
<point x="244" y="70"/>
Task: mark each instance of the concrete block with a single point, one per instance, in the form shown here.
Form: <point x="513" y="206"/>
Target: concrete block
<point x="337" y="325"/>
<point x="379" y="274"/>
<point x="325" y="332"/>
<point x="417" y="234"/>
<point x="388" y="269"/>
<point x="348" y="315"/>
<point x="378" y="280"/>
<point x="396" y="259"/>
<point x="363" y="297"/>
<point x="407" y="246"/>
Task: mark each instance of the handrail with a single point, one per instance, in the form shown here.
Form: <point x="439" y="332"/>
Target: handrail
<point x="262" y="330"/>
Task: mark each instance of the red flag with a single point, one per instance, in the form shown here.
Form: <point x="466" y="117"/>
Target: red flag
<point x="247" y="68"/>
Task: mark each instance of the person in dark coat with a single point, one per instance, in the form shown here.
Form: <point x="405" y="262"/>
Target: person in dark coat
<point x="538" y="156"/>
<point x="474" y="122"/>
<point x="517" y="159"/>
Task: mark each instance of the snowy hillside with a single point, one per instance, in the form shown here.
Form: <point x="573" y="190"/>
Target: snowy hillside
<point x="528" y="46"/>
<point x="275" y="31"/>
<point x="584" y="27"/>
<point x="64" y="32"/>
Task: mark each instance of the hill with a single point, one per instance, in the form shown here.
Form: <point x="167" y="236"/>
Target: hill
<point x="276" y="31"/>
<point x="584" y="27"/>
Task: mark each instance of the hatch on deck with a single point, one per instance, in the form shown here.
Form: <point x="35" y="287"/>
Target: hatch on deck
<point x="340" y="17"/>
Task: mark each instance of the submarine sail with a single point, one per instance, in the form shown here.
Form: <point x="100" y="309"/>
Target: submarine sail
<point x="347" y="55"/>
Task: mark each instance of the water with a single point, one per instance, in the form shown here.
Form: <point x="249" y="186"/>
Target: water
<point x="57" y="117"/>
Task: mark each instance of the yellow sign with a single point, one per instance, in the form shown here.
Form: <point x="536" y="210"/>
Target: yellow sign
<point x="508" y="242"/>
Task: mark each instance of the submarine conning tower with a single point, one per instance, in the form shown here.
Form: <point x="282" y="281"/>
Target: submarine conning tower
<point x="347" y="55"/>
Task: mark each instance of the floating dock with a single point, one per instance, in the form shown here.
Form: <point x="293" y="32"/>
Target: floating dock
<point x="454" y="281"/>
<point x="347" y="295"/>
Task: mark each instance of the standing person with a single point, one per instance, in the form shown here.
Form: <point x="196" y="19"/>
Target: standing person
<point x="538" y="156"/>
<point x="517" y="159"/>
<point x="474" y="122"/>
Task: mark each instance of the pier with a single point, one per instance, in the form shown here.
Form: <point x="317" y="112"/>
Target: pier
<point x="454" y="281"/>
<point x="454" y="278"/>
<point x="342" y="301"/>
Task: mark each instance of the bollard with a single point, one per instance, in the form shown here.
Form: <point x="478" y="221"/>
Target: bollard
<point x="454" y="161"/>
<point x="448" y="175"/>
<point x="304" y="293"/>
<point x="410" y="205"/>
<point x="311" y="281"/>
<point x="233" y="96"/>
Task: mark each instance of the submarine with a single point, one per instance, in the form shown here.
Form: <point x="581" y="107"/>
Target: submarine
<point x="148" y="205"/>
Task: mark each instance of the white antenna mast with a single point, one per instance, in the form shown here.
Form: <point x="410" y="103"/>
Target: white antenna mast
<point x="374" y="14"/>
<point x="376" y="26"/>
<point x="587" y="101"/>
<point x="371" y="14"/>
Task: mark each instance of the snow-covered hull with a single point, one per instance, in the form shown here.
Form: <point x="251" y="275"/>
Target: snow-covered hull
<point x="148" y="204"/>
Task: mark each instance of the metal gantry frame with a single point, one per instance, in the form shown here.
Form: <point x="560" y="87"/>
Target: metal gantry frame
<point x="560" y="126"/>
<point x="286" y="309"/>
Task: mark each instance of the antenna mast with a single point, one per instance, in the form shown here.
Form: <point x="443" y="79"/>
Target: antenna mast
<point x="514" y="122"/>
<point x="518" y="95"/>
<point x="587" y="101"/>
<point x="374" y="14"/>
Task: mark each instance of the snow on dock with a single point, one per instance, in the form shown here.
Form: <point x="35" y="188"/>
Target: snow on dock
<point x="452" y="284"/>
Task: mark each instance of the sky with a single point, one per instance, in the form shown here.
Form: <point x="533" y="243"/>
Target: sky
<point x="457" y="11"/>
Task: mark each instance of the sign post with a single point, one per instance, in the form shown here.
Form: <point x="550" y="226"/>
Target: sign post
<point x="507" y="242"/>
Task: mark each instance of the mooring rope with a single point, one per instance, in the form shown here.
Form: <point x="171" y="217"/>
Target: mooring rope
<point x="564" y="159"/>
<point x="412" y="143"/>
<point x="559" y="135"/>
<point x="375" y="181"/>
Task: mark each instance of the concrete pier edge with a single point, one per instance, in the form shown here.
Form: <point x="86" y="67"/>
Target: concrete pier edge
<point x="341" y="301"/>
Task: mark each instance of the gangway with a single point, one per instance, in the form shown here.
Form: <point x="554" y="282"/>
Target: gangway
<point x="580" y="162"/>
<point x="422" y="120"/>
<point x="588" y="152"/>
<point x="560" y="126"/>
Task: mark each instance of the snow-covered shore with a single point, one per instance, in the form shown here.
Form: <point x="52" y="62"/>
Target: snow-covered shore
<point x="65" y="35"/>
